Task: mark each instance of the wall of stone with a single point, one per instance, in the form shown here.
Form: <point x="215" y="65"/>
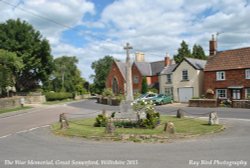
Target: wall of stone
<point x="241" y="104"/>
<point x="203" y="103"/>
<point x="10" y="102"/>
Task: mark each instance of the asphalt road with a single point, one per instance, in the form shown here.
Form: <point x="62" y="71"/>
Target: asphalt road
<point x="171" y="109"/>
<point x="25" y="138"/>
<point x="40" y="145"/>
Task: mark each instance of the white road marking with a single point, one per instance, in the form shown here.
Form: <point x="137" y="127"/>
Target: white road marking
<point x="24" y="131"/>
<point x="5" y="136"/>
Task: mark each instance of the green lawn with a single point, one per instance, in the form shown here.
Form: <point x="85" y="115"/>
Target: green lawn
<point x="184" y="128"/>
<point x="14" y="109"/>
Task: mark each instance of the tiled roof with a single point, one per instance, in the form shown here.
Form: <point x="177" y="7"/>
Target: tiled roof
<point x="168" y="69"/>
<point x="144" y="68"/>
<point x="229" y="59"/>
<point x="157" y="67"/>
<point x="122" y="68"/>
<point x="197" y="63"/>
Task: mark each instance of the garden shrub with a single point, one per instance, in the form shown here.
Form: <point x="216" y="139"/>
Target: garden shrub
<point x="52" y="96"/>
<point x="100" y="121"/>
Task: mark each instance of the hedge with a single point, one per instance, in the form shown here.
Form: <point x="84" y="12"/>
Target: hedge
<point x="52" y="96"/>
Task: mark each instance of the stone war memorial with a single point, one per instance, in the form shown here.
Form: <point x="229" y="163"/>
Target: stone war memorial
<point x="126" y="110"/>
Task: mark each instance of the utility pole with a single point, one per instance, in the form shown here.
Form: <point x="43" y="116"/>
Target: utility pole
<point x="129" y="87"/>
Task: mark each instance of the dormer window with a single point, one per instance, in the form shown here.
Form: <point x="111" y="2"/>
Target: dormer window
<point x="220" y="75"/>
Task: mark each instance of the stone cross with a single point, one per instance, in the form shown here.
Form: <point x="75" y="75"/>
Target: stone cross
<point x="129" y="87"/>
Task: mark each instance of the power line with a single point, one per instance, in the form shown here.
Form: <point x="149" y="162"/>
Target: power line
<point x="37" y="15"/>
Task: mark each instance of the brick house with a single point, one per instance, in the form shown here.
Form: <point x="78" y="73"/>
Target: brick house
<point x="116" y="77"/>
<point x="227" y="73"/>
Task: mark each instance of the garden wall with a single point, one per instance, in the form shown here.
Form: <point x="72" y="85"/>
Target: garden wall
<point x="203" y="103"/>
<point x="13" y="102"/>
<point x="241" y="104"/>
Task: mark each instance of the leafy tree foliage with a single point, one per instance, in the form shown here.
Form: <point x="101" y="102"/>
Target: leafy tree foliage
<point x="66" y="76"/>
<point x="101" y="68"/>
<point x="10" y="65"/>
<point x="183" y="51"/>
<point x="144" y="87"/>
<point x="198" y="52"/>
<point x="20" y="37"/>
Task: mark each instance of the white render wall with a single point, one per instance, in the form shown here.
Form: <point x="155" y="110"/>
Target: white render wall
<point x="195" y="80"/>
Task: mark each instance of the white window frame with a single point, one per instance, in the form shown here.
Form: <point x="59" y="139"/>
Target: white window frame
<point x="247" y="73"/>
<point x="220" y="75"/>
<point x="169" y="78"/>
<point x="247" y="93"/>
<point x="185" y="76"/>
<point x="217" y="93"/>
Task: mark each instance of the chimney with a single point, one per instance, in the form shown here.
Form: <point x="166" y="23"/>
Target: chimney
<point x="139" y="57"/>
<point x="212" y="46"/>
<point x="167" y="60"/>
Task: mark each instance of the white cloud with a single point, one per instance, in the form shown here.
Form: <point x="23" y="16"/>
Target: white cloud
<point x="153" y="27"/>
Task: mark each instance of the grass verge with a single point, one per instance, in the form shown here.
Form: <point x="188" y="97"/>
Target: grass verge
<point x="15" y="109"/>
<point x="186" y="127"/>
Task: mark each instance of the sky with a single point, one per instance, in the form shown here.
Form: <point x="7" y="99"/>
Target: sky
<point x="92" y="29"/>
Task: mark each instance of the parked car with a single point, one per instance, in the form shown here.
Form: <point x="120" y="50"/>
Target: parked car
<point x="162" y="99"/>
<point x="147" y="97"/>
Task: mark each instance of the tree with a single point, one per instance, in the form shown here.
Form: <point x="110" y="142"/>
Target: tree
<point x="20" y="37"/>
<point x="183" y="51"/>
<point x="10" y="65"/>
<point x="101" y="68"/>
<point x="144" y="87"/>
<point x="66" y="76"/>
<point x="198" y="52"/>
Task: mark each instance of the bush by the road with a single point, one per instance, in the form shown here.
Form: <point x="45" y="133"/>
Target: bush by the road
<point x="52" y="96"/>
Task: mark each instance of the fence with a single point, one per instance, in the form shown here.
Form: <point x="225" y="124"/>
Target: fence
<point x="70" y="118"/>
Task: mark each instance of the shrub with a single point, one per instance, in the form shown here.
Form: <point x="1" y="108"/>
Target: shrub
<point x="107" y="92"/>
<point x="126" y="124"/>
<point x="52" y="96"/>
<point x="100" y="121"/>
<point x="154" y="90"/>
<point x="152" y="117"/>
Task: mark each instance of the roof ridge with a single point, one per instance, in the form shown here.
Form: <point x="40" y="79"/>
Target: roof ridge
<point x="234" y="49"/>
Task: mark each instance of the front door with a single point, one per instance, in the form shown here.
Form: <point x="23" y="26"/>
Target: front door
<point x="236" y="94"/>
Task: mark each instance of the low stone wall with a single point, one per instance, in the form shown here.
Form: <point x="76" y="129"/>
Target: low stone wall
<point x="13" y="102"/>
<point x="10" y="102"/>
<point x="241" y="104"/>
<point x="203" y="103"/>
<point x="35" y="99"/>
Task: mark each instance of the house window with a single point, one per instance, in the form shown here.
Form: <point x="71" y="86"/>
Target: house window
<point x="220" y="75"/>
<point x="136" y="79"/>
<point x="247" y="73"/>
<point x="185" y="75"/>
<point x="169" y="91"/>
<point x="169" y="79"/>
<point x="247" y="92"/>
<point x="221" y="93"/>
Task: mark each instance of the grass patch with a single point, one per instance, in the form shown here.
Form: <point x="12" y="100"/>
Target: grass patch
<point x="15" y="109"/>
<point x="184" y="128"/>
<point x="59" y="101"/>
